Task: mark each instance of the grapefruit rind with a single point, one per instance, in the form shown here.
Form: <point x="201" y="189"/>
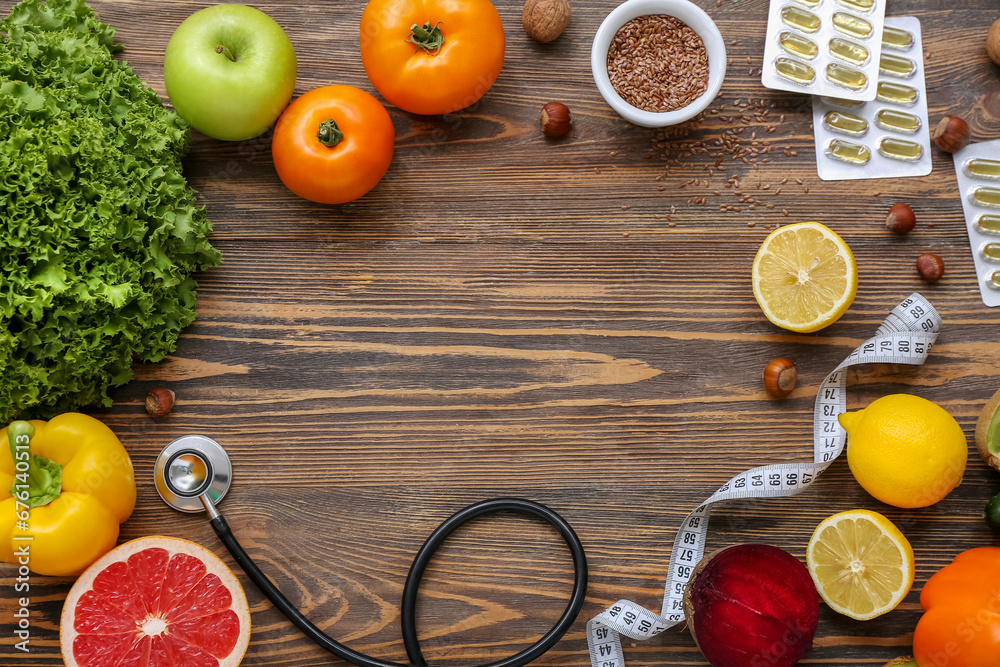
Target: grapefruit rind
<point x="173" y="545"/>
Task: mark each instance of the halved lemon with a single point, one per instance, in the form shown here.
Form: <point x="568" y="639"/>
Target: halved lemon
<point x="861" y="564"/>
<point x="804" y="276"/>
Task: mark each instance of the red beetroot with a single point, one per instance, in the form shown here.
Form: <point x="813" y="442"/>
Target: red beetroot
<point x="752" y="605"/>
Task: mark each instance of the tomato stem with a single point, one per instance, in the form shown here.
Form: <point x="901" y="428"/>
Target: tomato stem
<point x="226" y="52"/>
<point x="329" y="134"/>
<point x="428" y="38"/>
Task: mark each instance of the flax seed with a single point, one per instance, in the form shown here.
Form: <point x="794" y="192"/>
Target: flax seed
<point x="658" y="63"/>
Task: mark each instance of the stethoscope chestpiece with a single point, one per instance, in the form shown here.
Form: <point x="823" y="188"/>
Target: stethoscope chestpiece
<point x="190" y="466"/>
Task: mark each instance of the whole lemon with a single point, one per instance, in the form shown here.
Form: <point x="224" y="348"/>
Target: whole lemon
<point x="905" y="450"/>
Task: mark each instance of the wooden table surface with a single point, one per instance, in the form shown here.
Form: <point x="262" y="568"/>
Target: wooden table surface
<point x="506" y="315"/>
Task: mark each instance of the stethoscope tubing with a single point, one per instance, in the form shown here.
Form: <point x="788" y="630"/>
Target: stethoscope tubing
<point x="412" y="585"/>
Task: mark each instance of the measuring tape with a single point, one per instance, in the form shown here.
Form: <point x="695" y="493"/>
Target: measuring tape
<point x="905" y="337"/>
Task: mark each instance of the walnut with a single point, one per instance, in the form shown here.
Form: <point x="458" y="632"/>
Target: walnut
<point x="545" y="20"/>
<point x="992" y="41"/>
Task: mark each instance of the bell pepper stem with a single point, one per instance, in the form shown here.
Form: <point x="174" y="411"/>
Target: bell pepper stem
<point x="428" y="37"/>
<point x="37" y="480"/>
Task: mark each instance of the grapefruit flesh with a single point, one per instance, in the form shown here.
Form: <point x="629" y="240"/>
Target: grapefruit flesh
<point x="156" y="602"/>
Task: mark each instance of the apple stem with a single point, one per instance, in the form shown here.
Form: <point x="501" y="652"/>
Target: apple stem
<point x="329" y="134"/>
<point x="428" y="38"/>
<point x="226" y="52"/>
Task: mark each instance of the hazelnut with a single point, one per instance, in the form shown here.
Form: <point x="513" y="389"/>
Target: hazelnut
<point x="545" y="20"/>
<point x="780" y="377"/>
<point x="930" y="267"/>
<point x="952" y="134"/>
<point x="993" y="42"/>
<point x="900" y="219"/>
<point x="555" y="119"/>
<point x="159" y="402"/>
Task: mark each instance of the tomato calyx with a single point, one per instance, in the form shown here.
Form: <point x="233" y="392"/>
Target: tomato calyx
<point x="329" y="134"/>
<point x="428" y="38"/>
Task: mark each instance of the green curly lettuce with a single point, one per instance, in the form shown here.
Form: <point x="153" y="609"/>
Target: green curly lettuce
<point x="100" y="232"/>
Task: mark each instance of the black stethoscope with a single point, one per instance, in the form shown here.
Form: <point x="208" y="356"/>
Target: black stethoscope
<point x="193" y="473"/>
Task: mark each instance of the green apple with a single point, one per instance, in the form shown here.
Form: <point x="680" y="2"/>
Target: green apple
<point x="230" y="71"/>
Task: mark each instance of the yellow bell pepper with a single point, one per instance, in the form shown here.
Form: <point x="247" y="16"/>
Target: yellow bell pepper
<point x="65" y="486"/>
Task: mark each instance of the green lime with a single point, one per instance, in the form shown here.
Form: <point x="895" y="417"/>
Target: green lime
<point x="992" y="513"/>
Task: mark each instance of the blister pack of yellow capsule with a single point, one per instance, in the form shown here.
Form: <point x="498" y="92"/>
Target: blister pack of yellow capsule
<point x="978" y="170"/>
<point x="887" y="137"/>
<point x="824" y="47"/>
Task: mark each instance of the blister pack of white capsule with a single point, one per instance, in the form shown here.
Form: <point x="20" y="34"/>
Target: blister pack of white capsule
<point x="978" y="170"/>
<point x="887" y="137"/>
<point x="824" y="47"/>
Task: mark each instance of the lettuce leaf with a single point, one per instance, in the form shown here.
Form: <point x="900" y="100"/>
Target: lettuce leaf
<point x="100" y="233"/>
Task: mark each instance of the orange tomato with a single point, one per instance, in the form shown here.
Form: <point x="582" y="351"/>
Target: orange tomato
<point x="961" y="622"/>
<point x="432" y="56"/>
<point x="316" y="164"/>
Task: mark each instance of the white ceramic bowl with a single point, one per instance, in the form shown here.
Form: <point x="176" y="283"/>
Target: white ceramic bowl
<point x="683" y="10"/>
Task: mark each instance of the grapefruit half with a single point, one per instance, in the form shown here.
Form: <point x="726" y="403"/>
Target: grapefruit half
<point x="156" y="602"/>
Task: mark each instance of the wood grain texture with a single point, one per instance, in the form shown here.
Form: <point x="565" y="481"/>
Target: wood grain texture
<point x="510" y="315"/>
